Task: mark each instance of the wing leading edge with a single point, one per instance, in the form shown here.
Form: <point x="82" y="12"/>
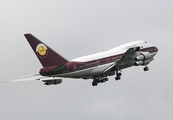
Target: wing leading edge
<point x="125" y="61"/>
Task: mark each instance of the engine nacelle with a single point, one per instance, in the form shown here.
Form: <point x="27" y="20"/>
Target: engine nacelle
<point x="143" y="56"/>
<point x="146" y="62"/>
<point x="53" y="81"/>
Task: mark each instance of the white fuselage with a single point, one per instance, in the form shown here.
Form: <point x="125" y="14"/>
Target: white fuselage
<point x="98" y="62"/>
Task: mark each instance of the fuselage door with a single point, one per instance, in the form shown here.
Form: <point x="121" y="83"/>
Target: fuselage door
<point x="75" y="67"/>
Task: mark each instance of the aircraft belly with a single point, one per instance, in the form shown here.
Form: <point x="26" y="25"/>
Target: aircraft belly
<point x="89" y="72"/>
<point x="76" y="74"/>
<point x="99" y="70"/>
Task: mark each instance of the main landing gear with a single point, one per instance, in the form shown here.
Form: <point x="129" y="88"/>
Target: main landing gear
<point x="118" y="77"/>
<point x="97" y="80"/>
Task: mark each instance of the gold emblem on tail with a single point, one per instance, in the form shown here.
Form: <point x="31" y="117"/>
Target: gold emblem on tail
<point x="41" y="50"/>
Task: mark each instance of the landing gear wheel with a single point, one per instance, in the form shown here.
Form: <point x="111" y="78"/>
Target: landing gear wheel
<point x="94" y="83"/>
<point x="97" y="81"/>
<point x="146" y="68"/>
<point x="119" y="74"/>
<point x="117" y="78"/>
<point x="106" y="79"/>
<point x="102" y="81"/>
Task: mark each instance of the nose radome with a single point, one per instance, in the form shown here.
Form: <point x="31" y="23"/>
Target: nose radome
<point x="156" y="49"/>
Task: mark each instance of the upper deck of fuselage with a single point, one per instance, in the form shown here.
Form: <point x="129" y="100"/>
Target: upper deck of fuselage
<point x="115" y="51"/>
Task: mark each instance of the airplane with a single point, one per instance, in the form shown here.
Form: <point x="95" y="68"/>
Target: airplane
<point x="96" y="66"/>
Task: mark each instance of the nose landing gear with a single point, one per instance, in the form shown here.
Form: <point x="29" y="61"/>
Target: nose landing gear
<point x="146" y="68"/>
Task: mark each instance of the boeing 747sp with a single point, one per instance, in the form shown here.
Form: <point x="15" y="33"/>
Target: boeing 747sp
<point x="96" y="66"/>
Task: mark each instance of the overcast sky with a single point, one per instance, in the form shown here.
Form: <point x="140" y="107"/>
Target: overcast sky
<point x="76" y="28"/>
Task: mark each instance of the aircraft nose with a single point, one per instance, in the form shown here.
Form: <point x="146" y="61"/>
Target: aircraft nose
<point x="156" y="49"/>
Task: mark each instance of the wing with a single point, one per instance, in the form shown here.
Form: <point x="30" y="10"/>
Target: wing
<point x="24" y="78"/>
<point x="126" y="60"/>
<point x="48" y="80"/>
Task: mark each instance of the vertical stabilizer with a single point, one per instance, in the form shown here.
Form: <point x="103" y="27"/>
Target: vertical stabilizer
<point x="45" y="54"/>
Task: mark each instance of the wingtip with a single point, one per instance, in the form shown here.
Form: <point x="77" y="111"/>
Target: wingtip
<point x="5" y="81"/>
<point x="26" y="34"/>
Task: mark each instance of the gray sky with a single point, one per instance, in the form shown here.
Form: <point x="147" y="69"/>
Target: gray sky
<point x="76" y="28"/>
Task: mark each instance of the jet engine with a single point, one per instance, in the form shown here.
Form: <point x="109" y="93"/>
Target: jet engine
<point x="143" y="59"/>
<point x="143" y="56"/>
<point x="146" y="62"/>
<point x="52" y="81"/>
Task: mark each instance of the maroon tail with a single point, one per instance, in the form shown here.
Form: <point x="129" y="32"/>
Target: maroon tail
<point x="45" y="54"/>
